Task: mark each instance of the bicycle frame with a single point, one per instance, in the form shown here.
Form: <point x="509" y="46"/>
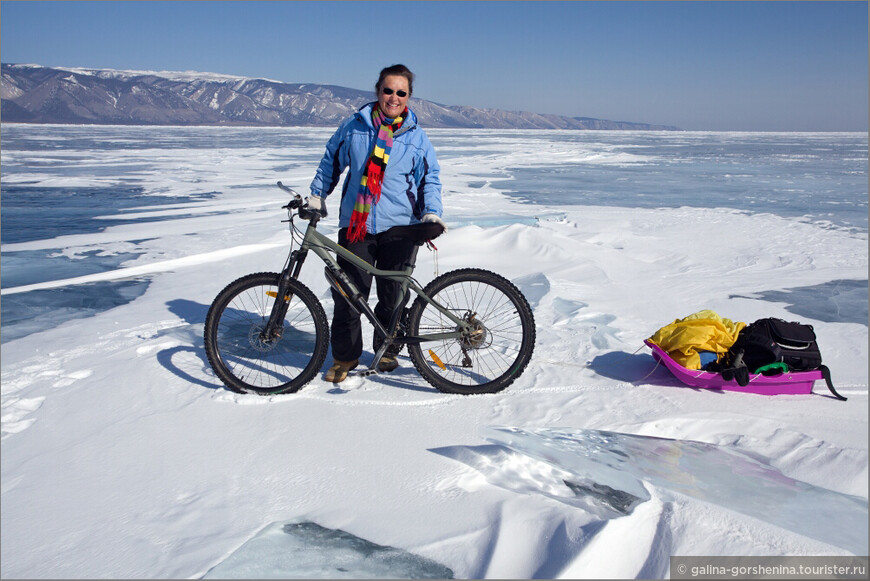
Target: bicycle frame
<point x="324" y="248"/>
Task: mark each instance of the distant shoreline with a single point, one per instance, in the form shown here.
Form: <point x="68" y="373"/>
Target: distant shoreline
<point x="38" y="94"/>
<point x="490" y="129"/>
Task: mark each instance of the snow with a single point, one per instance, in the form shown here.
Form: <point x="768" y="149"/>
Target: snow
<point x="171" y="75"/>
<point x="124" y="456"/>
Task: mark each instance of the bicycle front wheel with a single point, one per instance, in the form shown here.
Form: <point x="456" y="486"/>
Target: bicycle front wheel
<point x="248" y="362"/>
<point x="497" y="350"/>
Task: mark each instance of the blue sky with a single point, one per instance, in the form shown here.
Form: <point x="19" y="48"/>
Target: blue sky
<point x="765" y="66"/>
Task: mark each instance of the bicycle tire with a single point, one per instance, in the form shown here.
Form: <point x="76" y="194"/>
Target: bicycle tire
<point x="492" y="359"/>
<point x="242" y="360"/>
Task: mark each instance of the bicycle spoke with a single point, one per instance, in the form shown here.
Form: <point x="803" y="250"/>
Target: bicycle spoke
<point x="248" y="360"/>
<point x="498" y="347"/>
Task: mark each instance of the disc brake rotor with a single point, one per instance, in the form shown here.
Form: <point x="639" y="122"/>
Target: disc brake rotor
<point x="258" y="342"/>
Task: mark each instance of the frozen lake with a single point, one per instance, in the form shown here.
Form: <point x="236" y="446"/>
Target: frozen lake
<point x="124" y="456"/>
<point x="66" y="181"/>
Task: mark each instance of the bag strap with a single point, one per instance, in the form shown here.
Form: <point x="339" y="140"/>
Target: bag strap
<point x="826" y="373"/>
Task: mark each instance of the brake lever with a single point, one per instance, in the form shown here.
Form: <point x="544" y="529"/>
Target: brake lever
<point x="298" y="202"/>
<point x="297" y="199"/>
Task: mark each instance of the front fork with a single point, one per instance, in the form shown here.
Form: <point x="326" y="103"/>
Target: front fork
<point x="275" y="325"/>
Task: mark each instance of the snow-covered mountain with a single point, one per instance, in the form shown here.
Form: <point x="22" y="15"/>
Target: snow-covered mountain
<point x="37" y="94"/>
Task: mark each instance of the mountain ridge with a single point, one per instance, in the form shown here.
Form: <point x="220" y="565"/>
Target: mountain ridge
<point x="37" y="94"/>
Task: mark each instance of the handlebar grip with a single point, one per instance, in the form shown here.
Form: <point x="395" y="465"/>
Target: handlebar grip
<point x="307" y="213"/>
<point x="323" y="212"/>
<point x="304" y="211"/>
<point x="288" y="190"/>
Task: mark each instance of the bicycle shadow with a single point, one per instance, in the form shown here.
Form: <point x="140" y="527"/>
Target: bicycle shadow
<point x="185" y="354"/>
<point x="191" y="312"/>
<point x="190" y="362"/>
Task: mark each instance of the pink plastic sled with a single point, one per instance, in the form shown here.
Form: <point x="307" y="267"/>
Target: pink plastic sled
<point x="793" y="382"/>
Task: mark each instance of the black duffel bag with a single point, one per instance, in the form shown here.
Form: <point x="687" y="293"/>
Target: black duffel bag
<point x="770" y="341"/>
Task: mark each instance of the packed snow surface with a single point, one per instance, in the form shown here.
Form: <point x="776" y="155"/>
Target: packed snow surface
<point x="124" y="456"/>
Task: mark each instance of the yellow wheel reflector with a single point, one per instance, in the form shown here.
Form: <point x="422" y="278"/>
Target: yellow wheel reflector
<point x="436" y="360"/>
<point x="274" y="295"/>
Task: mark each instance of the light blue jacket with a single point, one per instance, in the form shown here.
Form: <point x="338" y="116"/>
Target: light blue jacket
<point x="411" y="185"/>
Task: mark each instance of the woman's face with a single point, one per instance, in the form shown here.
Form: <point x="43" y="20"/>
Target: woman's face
<point x="392" y="105"/>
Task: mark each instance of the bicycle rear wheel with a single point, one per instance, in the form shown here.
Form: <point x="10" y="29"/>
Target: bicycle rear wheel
<point x="246" y="361"/>
<point x="497" y="351"/>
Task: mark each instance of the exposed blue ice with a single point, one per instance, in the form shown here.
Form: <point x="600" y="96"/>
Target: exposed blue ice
<point x="306" y="550"/>
<point x="38" y="310"/>
<point x="836" y="301"/>
<point x="33" y="212"/>
<point x="615" y="467"/>
<point x="617" y="500"/>
<point x="62" y="180"/>
<point x="34" y="266"/>
<point x="791" y="175"/>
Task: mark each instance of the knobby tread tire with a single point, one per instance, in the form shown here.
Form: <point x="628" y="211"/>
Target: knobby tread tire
<point x="473" y="285"/>
<point x="308" y="303"/>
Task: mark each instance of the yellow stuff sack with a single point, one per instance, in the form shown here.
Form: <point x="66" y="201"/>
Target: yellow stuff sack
<point x="701" y="331"/>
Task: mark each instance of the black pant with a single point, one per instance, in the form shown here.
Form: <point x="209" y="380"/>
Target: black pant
<point x="385" y="252"/>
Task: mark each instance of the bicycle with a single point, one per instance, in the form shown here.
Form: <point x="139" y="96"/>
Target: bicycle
<point x="478" y="328"/>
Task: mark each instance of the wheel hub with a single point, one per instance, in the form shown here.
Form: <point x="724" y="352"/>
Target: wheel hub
<point x="478" y="336"/>
<point x="259" y="342"/>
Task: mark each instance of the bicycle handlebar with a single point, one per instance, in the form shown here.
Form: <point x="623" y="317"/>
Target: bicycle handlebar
<point x="297" y="202"/>
<point x="418" y="233"/>
<point x="289" y="191"/>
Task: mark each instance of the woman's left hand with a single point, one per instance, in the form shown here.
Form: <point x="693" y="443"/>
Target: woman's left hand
<point x="436" y="219"/>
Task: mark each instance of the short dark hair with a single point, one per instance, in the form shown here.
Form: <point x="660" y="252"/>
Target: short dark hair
<point x="398" y="70"/>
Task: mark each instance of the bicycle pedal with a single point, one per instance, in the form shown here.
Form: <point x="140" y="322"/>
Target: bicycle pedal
<point x="363" y="373"/>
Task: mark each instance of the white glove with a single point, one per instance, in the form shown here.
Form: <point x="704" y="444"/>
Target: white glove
<point x="436" y="219"/>
<point x="314" y="203"/>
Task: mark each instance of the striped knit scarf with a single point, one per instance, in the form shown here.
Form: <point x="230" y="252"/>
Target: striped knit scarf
<point x="370" y="185"/>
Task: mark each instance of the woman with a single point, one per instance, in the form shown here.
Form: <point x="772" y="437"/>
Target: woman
<point x="393" y="181"/>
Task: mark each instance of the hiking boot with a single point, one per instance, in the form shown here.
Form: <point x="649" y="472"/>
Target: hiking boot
<point x="388" y="363"/>
<point x="338" y="372"/>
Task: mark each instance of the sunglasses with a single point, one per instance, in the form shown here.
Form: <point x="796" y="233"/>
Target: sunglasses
<point x="389" y="91"/>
